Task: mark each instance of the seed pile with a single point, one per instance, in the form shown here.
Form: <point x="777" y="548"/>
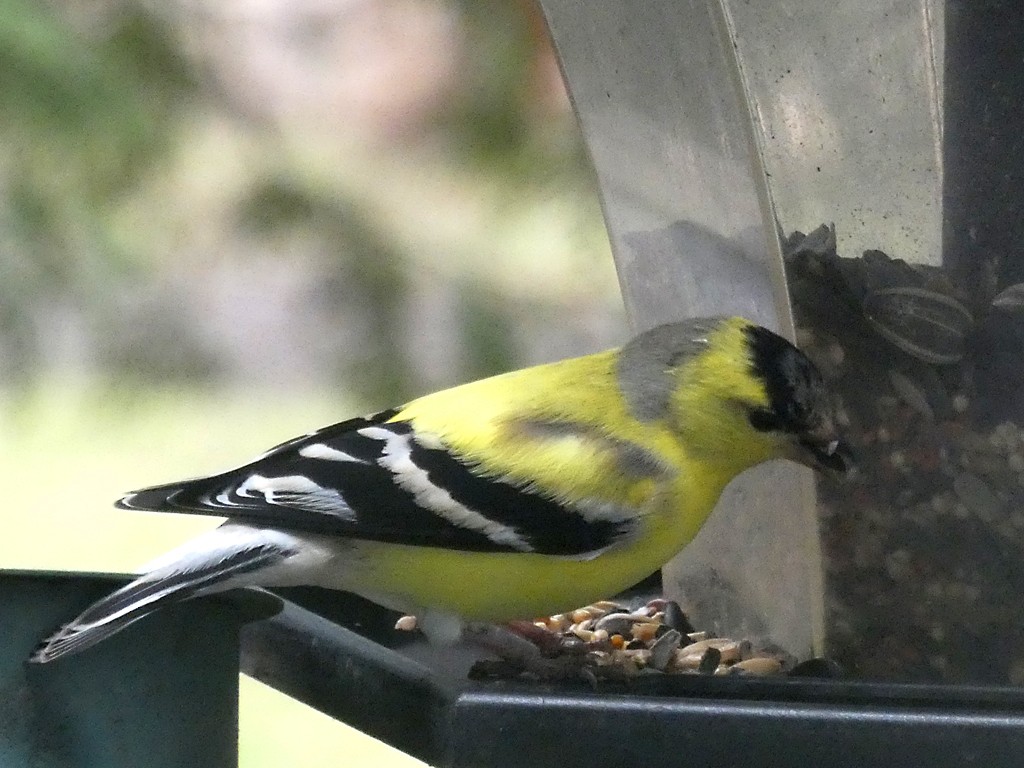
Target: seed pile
<point x="923" y="548"/>
<point x="658" y="637"/>
<point x="608" y="641"/>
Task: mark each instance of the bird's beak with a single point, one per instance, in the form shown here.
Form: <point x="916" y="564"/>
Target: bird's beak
<point x="823" y="450"/>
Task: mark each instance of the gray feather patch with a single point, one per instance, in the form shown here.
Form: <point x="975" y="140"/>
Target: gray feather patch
<point x="632" y="460"/>
<point x="646" y="363"/>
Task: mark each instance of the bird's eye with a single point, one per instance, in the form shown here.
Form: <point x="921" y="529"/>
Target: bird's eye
<point x="764" y="420"/>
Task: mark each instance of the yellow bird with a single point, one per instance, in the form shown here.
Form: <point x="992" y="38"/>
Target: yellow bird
<point x="516" y="496"/>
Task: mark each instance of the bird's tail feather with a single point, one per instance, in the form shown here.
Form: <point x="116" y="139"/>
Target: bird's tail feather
<point x="173" y="583"/>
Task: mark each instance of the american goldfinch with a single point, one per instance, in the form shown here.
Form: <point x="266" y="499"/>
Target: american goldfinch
<point x="516" y="496"/>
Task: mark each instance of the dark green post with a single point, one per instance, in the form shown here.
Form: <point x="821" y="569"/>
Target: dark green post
<point x="163" y="694"/>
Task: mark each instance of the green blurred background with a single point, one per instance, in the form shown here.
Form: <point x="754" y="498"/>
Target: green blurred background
<point x="226" y="223"/>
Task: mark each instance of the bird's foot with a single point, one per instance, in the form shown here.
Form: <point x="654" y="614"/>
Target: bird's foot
<point x="526" y="650"/>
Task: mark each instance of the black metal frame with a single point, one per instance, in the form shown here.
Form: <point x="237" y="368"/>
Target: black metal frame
<point x="435" y="714"/>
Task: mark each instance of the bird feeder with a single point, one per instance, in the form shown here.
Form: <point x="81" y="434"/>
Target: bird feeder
<point x="848" y="175"/>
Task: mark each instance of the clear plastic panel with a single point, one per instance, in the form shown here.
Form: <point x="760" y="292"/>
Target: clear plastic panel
<point x="657" y="93"/>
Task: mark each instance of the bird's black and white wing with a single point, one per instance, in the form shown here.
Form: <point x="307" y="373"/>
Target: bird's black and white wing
<point x="377" y="479"/>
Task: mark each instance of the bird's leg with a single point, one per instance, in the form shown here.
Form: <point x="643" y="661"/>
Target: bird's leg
<point x="523" y="647"/>
<point x="547" y="642"/>
<point x="501" y="641"/>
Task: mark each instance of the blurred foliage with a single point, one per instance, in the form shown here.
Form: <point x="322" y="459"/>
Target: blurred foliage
<point x="165" y="229"/>
<point x="488" y="340"/>
<point x="488" y="119"/>
<point x="145" y="195"/>
<point x="85" y="114"/>
<point x="82" y="120"/>
<point x="373" y="283"/>
<point x="139" y="168"/>
<point x="499" y="119"/>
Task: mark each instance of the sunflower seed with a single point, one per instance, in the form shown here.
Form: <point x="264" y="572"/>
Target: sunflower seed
<point x="759" y="665"/>
<point x="911" y="394"/>
<point x="1010" y="298"/>
<point x="926" y="325"/>
<point x="710" y="661"/>
<point x="664" y="649"/>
